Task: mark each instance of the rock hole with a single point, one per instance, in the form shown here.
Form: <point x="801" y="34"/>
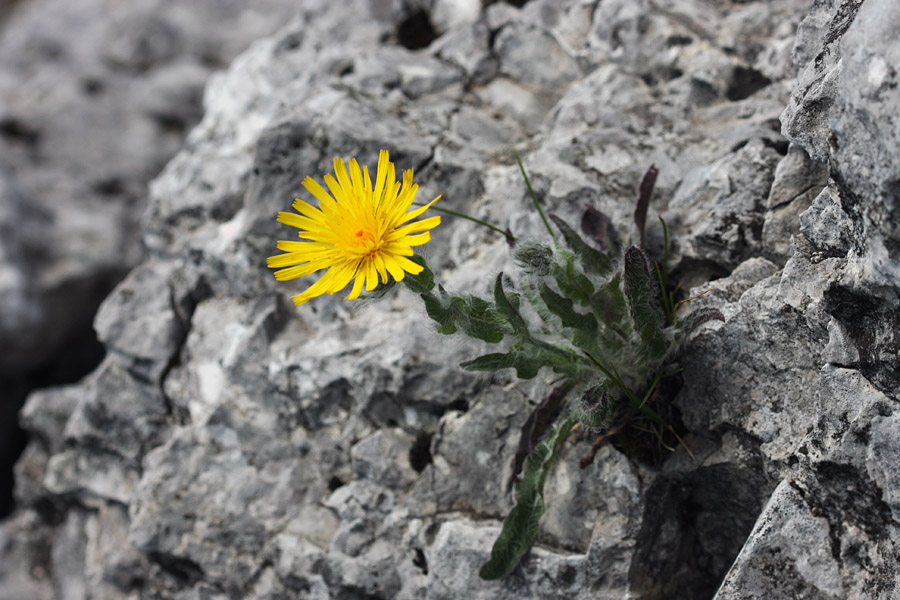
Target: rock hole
<point x="170" y="123"/>
<point x="334" y="483"/>
<point x="182" y="569"/>
<point x="77" y="357"/>
<point x="17" y="131"/>
<point x="420" y="452"/>
<point x="92" y="86"/>
<point x="290" y="42"/>
<point x="778" y="145"/>
<point x="419" y="561"/>
<point x="679" y="39"/>
<point x="459" y="405"/>
<point x="416" y="31"/>
<point x="110" y="186"/>
<point x="693" y="527"/>
<point x="645" y="444"/>
<point x="745" y="82"/>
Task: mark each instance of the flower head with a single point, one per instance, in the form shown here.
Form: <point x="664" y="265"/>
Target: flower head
<point x="358" y="232"/>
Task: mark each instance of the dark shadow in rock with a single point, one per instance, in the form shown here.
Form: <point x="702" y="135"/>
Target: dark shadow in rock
<point x="416" y="31"/>
<point x="420" y="452"/>
<point x="646" y="442"/>
<point x="745" y="82"/>
<point x="694" y="524"/>
<point x="77" y="357"/>
<point x="874" y="327"/>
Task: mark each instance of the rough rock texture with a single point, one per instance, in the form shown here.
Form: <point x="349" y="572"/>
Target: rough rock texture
<point x="95" y="98"/>
<point x="234" y="446"/>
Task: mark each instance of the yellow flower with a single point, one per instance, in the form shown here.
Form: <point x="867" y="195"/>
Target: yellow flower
<point x="357" y="231"/>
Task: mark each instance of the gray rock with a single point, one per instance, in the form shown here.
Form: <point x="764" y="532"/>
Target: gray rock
<point x="94" y="100"/>
<point x="232" y="445"/>
<point x="798" y="181"/>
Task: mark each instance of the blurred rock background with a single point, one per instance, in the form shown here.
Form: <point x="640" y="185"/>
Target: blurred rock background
<point x="225" y="444"/>
<point x="95" y="97"/>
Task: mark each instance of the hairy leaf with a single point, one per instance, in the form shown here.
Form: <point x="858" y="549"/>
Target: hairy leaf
<point x="547" y="355"/>
<point x="534" y="258"/>
<point x="508" y="308"/>
<point x="598" y="227"/>
<point x="641" y="292"/>
<point x="441" y="311"/>
<point x="479" y="319"/>
<point x="609" y="303"/>
<point x="698" y="317"/>
<point x="643" y="202"/>
<point x="593" y="260"/>
<point x="572" y="283"/>
<point x="526" y="364"/>
<point x="537" y="424"/>
<point x="563" y="308"/>
<point x="596" y="407"/>
<point x="424" y="281"/>
<point x="491" y="362"/>
<point x="520" y="529"/>
<point x="476" y="317"/>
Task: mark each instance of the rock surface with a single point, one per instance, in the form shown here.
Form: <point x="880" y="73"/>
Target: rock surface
<point x="95" y="97"/>
<point x="231" y="445"/>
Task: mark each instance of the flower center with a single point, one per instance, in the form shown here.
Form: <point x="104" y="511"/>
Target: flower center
<point x="364" y="235"/>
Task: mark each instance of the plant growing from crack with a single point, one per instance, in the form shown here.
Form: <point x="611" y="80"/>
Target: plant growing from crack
<point x="591" y="311"/>
<point x="598" y="315"/>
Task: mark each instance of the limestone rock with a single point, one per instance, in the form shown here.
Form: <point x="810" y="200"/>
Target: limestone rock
<point x="233" y="445"/>
<point x="94" y="99"/>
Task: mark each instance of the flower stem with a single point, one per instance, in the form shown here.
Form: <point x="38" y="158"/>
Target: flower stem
<point x="534" y="199"/>
<point x="454" y="213"/>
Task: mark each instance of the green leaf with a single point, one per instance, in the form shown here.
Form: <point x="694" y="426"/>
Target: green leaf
<point x="547" y="355"/>
<point x="440" y="312"/>
<point x="424" y="281"/>
<point x="479" y="319"/>
<point x="476" y="317"/>
<point x="526" y="358"/>
<point x="572" y="283"/>
<point x="593" y="260"/>
<point x="641" y="292"/>
<point x="609" y="303"/>
<point x="563" y="308"/>
<point x="491" y="362"/>
<point x="598" y="227"/>
<point x="643" y="202"/>
<point x="520" y="529"/>
<point x="507" y="309"/>
<point x="538" y="423"/>
<point x="597" y="406"/>
<point x="534" y="258"/>
<point x="526" y="364"/>
<point x="698" y="317"/>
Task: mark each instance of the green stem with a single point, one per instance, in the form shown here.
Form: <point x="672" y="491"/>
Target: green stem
<point x="612" y="374"/>
<point x="454" y="213"/>
<point x="534" y="199"/>
<point x="668" y="299"/>
<point x="651" y="389"/>
<point x="664" y="297"/>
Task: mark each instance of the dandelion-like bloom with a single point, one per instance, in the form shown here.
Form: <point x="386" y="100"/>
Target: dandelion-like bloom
<point x="358" y="232"/>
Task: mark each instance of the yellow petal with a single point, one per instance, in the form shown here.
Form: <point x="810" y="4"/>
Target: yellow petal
<point x="415" y="213"/>
<point x="394" y="268"/>
<point x="408" y="265"/>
